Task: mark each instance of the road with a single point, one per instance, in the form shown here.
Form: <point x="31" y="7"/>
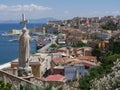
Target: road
<point x="44" y="49"/>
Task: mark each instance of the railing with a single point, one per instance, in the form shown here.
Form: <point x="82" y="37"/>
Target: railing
<point x="17" y="82"/>
<point x="14" y="80"/>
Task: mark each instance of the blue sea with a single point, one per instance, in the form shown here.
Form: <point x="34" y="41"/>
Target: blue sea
<point x="9" y="50"/>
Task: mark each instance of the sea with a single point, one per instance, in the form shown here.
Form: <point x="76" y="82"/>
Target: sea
<point x="9" y="50"/>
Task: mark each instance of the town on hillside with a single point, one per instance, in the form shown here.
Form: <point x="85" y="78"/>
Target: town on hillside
<point x="76" y="54"/>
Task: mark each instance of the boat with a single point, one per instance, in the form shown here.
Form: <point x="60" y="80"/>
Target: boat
<point x="40" y="44"/>
<point x="7" y="34"/>
<point x="13" y="40"/>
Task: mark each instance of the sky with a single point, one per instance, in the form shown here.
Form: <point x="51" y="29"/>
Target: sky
<point x="59" y="9"/>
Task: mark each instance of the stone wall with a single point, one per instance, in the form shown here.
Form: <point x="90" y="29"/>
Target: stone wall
<point x="15" y="81"/>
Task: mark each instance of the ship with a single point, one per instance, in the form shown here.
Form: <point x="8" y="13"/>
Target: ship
<point x="7" y="34"/>
<point x="13" y="40"/>
<point x="40" y="44"/>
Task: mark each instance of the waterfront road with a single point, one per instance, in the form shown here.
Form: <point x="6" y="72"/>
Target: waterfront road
<point x="46" y="47"/>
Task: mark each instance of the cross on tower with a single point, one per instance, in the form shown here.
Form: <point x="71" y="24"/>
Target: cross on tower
<point x="24" y="21"/>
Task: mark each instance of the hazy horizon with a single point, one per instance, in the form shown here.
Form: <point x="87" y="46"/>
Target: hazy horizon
<point x="60" y="9"/>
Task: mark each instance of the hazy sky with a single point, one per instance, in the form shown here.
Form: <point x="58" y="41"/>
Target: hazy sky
<point x="60" y="9"/>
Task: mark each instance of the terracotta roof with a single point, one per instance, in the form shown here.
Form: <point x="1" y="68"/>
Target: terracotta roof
<point x="87" y="58"/>
<point x="73" y="61"/>
<point x="90" y="63"/>
<point x="34" y="59"/>
<point x="57" y="77"/>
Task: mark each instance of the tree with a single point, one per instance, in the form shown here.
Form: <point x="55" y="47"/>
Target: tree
<point x="97" y="52"/>
<point x="46" y="86"/>
<point x="53" y="47"/>
<point x="108" y="60"/>
<point x="116" y="47"/>
<point x="110" y="26"/>
<point x="56" y="32"/>
<point x="109" y="81"/>
<point x="84" y="83"/>
<point x="6" y="86"/>
<point x="79" y="44"/>
<point x="98" y="71"/>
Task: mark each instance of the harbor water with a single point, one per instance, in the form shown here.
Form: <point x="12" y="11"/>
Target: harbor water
<point x="9" y="50"/>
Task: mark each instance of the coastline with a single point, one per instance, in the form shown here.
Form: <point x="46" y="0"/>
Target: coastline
<point x="9" y="50"/>
<point x="7" y="65"/>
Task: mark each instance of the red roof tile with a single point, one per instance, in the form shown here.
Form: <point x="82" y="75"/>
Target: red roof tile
<point x="55" y="78"/>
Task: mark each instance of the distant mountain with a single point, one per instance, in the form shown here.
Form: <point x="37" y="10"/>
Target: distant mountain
<point x="9" y="21"/>
<point x="42" y="20"/>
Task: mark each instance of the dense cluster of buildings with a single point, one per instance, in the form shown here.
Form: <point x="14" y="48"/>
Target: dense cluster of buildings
<point x="69" y="63"/>
<point x="87" y="30"/>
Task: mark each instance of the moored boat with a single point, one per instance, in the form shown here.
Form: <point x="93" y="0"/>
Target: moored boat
<point x="40" y="44"/>
<point x="13" y="40"/>
<point x="7" y="34"/>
